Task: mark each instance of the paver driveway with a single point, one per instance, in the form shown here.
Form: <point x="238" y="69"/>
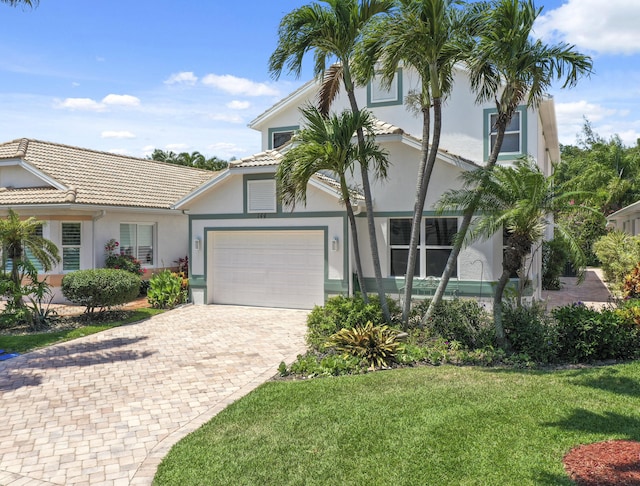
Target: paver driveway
<point x="106" y="408"/>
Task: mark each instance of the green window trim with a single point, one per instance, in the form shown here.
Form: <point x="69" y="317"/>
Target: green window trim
<point x="486" y="133"/>
<point x="371" y="102"/>
<point x="272" y="132"/>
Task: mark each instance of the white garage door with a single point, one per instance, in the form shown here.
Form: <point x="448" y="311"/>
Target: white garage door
<point x="267" y="268"/>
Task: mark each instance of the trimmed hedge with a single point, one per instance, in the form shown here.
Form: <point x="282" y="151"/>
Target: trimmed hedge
<point x="101" y="288"/>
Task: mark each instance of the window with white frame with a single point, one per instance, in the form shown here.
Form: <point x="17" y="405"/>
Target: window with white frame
<point x="380" y="94"/>
<point x="137" y="240"/>
<point x="71" y="245"/>
<point x="261" y="196"/>
<point x="8" y="264"/>
<point x="512" y="142"/>
<point x="434" y="248"/>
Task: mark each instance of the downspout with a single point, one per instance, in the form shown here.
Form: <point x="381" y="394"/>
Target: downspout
<point x="95" y="218"/>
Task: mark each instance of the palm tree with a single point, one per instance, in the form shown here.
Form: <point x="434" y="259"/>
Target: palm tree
<point x="427" y="35"/>
<point x="331" y="31"/>
<point x="511" y="68"/>
<point x="326" y="144"/>
<point x="28" y="3"/>
<point x="18" y="236"/>
<point x="518" y="200"/>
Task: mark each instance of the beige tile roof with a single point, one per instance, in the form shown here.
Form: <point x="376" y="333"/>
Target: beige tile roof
<point x="262" y="159"/>
<point x="98" y="178"/>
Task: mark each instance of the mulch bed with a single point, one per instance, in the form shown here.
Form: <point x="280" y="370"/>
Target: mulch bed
<point x="610" y="463"/>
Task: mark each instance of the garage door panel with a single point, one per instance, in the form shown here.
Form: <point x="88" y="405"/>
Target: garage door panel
<point x="268" y="268"/>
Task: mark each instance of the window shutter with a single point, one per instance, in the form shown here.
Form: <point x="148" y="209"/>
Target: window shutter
<point x="261" y="196"/>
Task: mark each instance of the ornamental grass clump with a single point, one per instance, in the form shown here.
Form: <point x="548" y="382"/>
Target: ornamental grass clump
<point x="376" y="345"/>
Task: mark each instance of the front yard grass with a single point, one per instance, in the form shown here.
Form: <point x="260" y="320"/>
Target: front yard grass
<point x="427" y="425"/>
<point x="24" y="342"/>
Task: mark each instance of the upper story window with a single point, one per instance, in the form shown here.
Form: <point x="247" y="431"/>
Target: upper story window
<point x="137" y="240"/>
<point x="380" y="95"/>
<point x="514" y="143"/>
<point x="434" y="247"/>
<point x="71" y="245"/>
<point x="261" y="196"/>
<point x="280" y="135"/>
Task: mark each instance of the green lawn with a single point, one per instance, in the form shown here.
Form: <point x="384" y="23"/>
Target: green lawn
<point x="28" y="342"/>
<point x="421" y="426"/>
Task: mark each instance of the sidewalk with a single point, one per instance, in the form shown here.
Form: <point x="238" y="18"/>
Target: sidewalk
<point x="592" y="292"/>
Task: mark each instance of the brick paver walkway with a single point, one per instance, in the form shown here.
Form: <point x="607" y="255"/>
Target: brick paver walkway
<point x="105" y="409"/>
<point x="592" y="292"/>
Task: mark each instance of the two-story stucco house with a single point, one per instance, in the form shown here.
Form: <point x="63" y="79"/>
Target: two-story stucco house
<point x="246" y="248"/>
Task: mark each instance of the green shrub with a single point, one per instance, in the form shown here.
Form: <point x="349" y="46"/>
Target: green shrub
<point x="554" y="258"/>
<point x="376" y="345"/>
<point x="120" y="261"/>
<point x="619" y="253"/>
<point x="531" y="332"/>
<point x="167" y="290"/>
<point x="343" y="312"/>
<point x="459" y="320"/>
<point x="101" y="288"/>
<point x="331" y="364"/>
<point x="586" y="334"/>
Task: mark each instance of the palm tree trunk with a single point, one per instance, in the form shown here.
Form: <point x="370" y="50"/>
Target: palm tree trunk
<point x="368" y="200"/>
<point x="17" y="282"/>
<point x="466" y="222"/>
<point x="497" y="306"/>
<point x="354" y="238"/>
<point x="425" y="170"/>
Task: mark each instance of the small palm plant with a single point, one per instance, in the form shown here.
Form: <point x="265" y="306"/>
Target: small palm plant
<point x="376" y="345"/>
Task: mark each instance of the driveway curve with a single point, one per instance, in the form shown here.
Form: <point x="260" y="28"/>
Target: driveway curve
<point x="105" y="409"/>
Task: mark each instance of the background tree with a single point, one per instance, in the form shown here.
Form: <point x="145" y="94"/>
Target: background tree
<point x="17" y="236"/>
<point x="326" y="144"/>
<point x="193" y="159"/>
<point x="512" y="68"/>
<point x="331" y="30"/>
<point x="520" y="201"/>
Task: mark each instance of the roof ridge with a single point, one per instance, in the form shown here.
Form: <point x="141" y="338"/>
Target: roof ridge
<point x="24" y="142"/>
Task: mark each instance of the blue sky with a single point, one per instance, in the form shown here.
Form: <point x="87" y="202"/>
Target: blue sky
<point x="129" y="76"/>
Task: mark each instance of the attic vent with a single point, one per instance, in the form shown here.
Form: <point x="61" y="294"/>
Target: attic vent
<point x="261" y="196"/>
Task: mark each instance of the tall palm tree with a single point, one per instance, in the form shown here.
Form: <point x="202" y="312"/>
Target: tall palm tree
<point x="331" y="29"/>
<point x="510" y="67"/>
<point x="17" y="236"/>
<point x="326" y="144"/>
<point x="430" y="36"/>
<point x="519" y="200"/>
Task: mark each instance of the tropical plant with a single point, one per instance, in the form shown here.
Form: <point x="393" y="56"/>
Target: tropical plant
<point x="430" y="36"/>
<point x="554" y="260"/>
<point x="167" y="290"/>
<point x="618" y="253"/>
<point x="331" y="29"/>
<point x="518" y="200"/>
<point x="20" y="236"/>
<point x="326" y="144"/>
<point x="101" y="288"/>
<point x="631" y="285"/>
<point x="376" y="345"/>
<point x="511" y="67"/>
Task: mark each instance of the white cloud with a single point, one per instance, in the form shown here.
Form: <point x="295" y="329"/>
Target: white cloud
<point x="119" y="151"/>
<point x="609" y="27"/>
<point x="176" y="147"/>
<point x="117" y="134"/>
<point x="226" y="117"/>
<point x="226" y="150"/>
<point x="239" y="86"/>
<point x="147" y="150"/>
<point x="185" y="77"/>
<point x="238" y="105"/>
<point x="566" y="112"/>
<point x="80" y="104"/>
<point x="87" y="104"/>
<point x="121" y="100"/>
<point x="75" y="84"/>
